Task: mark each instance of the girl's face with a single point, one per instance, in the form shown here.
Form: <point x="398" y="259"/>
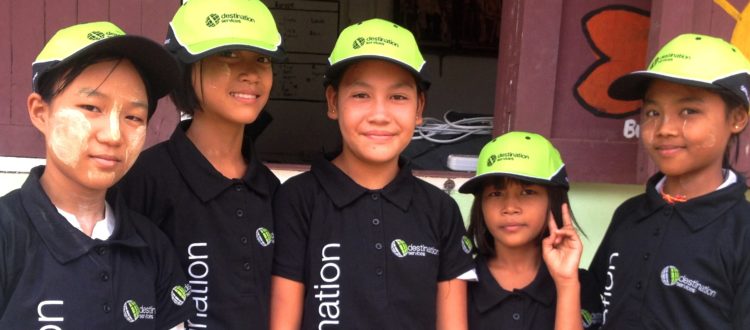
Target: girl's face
<point x="515" y="213"/>
<point x="233" y="85"/>
<point x="685" y="129"/>
<point x="377" y="106"/>
<point x="95" y="128"/>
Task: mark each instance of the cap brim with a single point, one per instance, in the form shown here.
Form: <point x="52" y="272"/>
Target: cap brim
<point x="633" y="86"/>
<point x="473" y="185"/>
<point x="185" y="56"/>
<point x="337" y="69"/>
<point x="161" y="70"/>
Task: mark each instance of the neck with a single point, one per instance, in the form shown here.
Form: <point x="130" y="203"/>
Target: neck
<point x="220" y="142"/>
<point x="87" y="205"/>
<point x="692" y="186"/>
<point x="372" y="176"/>
<point x="526" y="258"/>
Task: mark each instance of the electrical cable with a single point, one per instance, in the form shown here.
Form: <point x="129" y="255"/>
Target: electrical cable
<point x="447" y="131"/>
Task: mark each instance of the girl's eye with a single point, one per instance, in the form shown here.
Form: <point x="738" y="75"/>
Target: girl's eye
<point x="400" y="97"/>
<point x="495" y="193"/>
<point x="359" y="95"/>
<point x="228" y="54"/>
<point x="527" y="191"/>
<point x="650" y="113"/>
<point x="137" y="119"/>
<point x="264" y="59"/>
<point x="688" y="111"/>
<point x="89" y="107"/>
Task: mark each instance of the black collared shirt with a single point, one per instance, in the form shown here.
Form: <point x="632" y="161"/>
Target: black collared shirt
<point x="533" y="307"/>
<point x="53" y="276"/>
<point x="222" y="228"/>
<point x="681" y="266"/>
<point x="369" y="259"/>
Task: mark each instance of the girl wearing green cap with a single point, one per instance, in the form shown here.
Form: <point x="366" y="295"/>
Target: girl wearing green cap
<point x="527" y="247"/>
<point x="72" y="256"/>
<point x="205" y="187"/>
<point x="678" y="256"/>
<point x="360" y="242"/>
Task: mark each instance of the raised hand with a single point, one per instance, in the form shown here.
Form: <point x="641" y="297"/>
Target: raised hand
<point x="562" y="250"/>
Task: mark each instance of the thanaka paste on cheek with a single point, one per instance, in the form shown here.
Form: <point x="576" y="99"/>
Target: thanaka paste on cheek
<point x="70" y="130"/>
<point x="134" y="145"/>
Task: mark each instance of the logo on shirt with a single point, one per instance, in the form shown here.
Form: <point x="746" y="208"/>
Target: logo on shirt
<point x="180" y="294"/>
<point x="264" y="236"/>
<point x="670" y="276"/>
<point x="466" y="244"/>
<point x="590" y="319"/>
<point x="401" y="249"/>
<point x="133" y="312"/>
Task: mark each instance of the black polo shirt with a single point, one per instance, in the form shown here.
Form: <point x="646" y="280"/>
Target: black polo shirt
<point x="53" y="276"/>
<point x="222" y="228"/>
<point x="533" y="307"/>
<point x="369" y="259"/>
<point x="681" y="266"/>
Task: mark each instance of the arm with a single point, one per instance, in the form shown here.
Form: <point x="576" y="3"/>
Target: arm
<point x="286" y="303"/>
<point x="451" y="305"/>
<point x="561" y="251"/>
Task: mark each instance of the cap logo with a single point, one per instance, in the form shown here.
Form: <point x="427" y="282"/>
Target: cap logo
<point x="99" y="35"/>
<point x="509" y="156"/>
<point x="213" y="20"/>
<point x="668" y="57"/>
<point x="358" y="43"/>
<point x="491" y="160"/>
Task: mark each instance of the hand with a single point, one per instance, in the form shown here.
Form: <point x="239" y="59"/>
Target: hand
<point x="562" y="250"/>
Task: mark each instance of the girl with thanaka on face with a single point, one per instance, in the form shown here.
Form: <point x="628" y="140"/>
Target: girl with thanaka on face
<point x="360" y="242"/>
<point x="678" y="256"/>
<point x="73" y="257"/>
<point x="528" y="249"/>
<point x="205" y="187"/>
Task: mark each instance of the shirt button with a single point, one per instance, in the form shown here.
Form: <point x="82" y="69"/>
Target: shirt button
<point x="378" y="246"/>
<point x="104" y="276"/>
<point x="638" y="285"/>
<point x="379" y="271"/>
<point x="106" y="308"/>
<point x="246" y="266"/>
<point x="375" y="197"/>
<point x="237" y="188"/>
<point x="375" y="222"/>
<point x="645" y="256"/>
<point x="243" y="239"/>
<point x="239" y="213"/>
<point x="101" y="250"/>
<point x="516" y="316"/>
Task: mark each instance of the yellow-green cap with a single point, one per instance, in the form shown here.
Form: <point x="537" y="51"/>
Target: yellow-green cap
<point x="377" y="39"/>
<point x="158" y="67"/>
<point x="205" y="27"/>
<point x="694" y="60"/>
<point x="519" y="155"/>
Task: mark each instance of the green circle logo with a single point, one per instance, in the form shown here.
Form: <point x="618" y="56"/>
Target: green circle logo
<point x="670" y="275"/>
<point x="180" y="294"/>
<point x="212" y="20"/>
<point x="359" y="42"/>
<point x="131" y="310"/>
<point x="588" y="319"/>
<point x="96" y="35"/>
<point x="264" y="236"/>
<point x="491" y="160"/>
<point x="466" y="244"/>
<point x="399" y="248"/>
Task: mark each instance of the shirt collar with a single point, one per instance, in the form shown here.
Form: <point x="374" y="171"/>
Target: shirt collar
<point x="102" y="229"/>
<point x="700" y="211"/>
<point x="64" y="241"/>
<point x="489" y="293"/>
<point x="342" y="190"/>
<point x="203" y="178"/>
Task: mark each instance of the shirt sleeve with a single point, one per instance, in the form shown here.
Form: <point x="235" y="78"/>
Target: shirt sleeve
<point x="741" y="304"/>
<point x="174" y="305"/>
<point x="291" y="231"/>
<point x="455" y="247"/>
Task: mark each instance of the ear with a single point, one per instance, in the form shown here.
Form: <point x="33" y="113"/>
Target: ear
<point x="332" y="102"/>
<point x="420" y="107"/>
<point x="738" y="120"/>
<point x="38" y="112"/>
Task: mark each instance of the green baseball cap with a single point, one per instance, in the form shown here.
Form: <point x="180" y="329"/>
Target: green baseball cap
<point x="519" y="155"/>
<point x="694" y="60"/>
<point x="205" y="27"/>
<point x="160" y="70"/>
<point x="376" y="39"/>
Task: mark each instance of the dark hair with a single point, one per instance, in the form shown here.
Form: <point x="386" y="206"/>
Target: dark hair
<point x="333" y="78"/>
<point x="485" y="243"/>
<point x="53" y="82"/>
<point x="183" y="95"/>
<point x="731" y="103"/>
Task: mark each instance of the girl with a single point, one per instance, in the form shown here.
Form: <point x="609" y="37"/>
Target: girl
<point x="528" y="250"/>
<point x="678" y="256"/>
<point x="361" y="242"/>
<point x="204" y="186"/>
<point x="71" y="258"/>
